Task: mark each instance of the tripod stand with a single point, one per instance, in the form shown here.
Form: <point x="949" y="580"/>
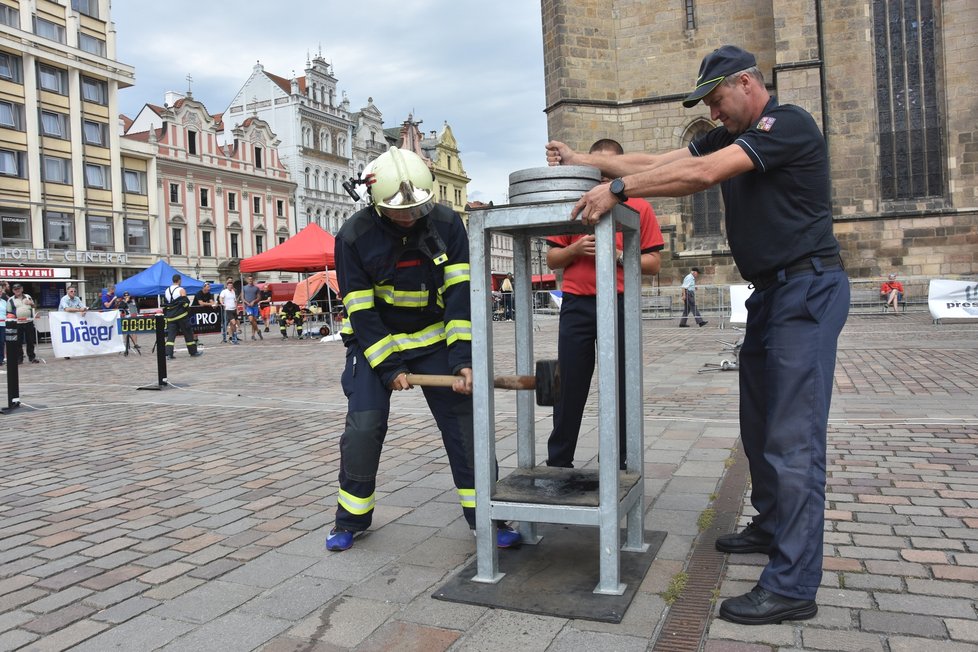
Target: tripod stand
<point x="131" y="344"/>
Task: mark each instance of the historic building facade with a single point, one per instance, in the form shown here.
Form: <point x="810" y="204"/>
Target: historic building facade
<point x="889" y="83"/>
<point x="323" y="142"/>
<point x="68" y="193"/>
<point x="223" y="193"/>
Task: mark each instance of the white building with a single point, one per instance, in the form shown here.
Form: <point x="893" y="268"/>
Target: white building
<point x="323" y="142"/>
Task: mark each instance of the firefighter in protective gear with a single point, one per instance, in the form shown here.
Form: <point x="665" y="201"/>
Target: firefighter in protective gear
<point x="176" y="311"/>
<point x="403" y="271"/>
<point x="290" y="314"/>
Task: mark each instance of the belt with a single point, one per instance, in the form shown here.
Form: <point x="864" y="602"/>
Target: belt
<point x="803" y="266"/>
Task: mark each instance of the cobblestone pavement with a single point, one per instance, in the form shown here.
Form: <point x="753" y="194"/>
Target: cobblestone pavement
<point x="193" y="518"/>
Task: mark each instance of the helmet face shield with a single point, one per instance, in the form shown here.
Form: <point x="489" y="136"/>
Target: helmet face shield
<point x="406" y="216"/>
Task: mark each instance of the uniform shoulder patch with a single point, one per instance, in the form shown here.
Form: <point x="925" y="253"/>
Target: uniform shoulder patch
<point x="765" y="123"/>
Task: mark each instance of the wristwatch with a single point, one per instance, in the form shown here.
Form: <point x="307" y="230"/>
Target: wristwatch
<point x="617" y="189"/>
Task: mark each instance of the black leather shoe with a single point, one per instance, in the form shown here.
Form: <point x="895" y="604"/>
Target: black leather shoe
<point x="703" y="323"/>
<point x="761" y="607"/>
<point x="683" y="325"/>
<point x="751" y="539"/>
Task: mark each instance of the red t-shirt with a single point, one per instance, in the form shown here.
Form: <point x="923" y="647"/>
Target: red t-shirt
<point x="579" y="275"/>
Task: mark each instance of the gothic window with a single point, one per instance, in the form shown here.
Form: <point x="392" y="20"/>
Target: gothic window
<point x="341" y="146"/>
<point x="910" y="120"/>
<point x="305" y="174"/>
<point x="704" y="208"/>
<point x="324" y="140"/>
<point x="306" y="137"/>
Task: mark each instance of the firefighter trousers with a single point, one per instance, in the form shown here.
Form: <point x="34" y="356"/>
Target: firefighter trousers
<point x="368" y="412"/>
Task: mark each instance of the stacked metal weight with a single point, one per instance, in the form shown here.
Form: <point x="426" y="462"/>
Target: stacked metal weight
<point x="558" y="183"/>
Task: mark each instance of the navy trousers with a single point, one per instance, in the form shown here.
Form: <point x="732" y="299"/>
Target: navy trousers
<point x="787" y="363"/>
<point x="576" y="340"/>
<point x="368" y="412"/>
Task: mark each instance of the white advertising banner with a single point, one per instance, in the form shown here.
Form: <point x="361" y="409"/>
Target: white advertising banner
<point x="953" y="299"/>
<point x="75" y="334"/>
<point x="738" y="303"/>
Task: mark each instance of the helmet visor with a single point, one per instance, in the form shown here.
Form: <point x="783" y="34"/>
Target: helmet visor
<point x="406" y="216"/>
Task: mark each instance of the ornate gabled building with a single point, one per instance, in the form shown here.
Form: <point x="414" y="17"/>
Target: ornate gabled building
<point x="223" y="195"/>
<point x="323" y="142"/>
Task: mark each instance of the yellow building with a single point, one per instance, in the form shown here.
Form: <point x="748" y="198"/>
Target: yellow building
<point x="65" y="187"/>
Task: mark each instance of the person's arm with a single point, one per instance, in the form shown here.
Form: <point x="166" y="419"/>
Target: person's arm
<point x="559" y="257"/>
<point x="676" y="175"/>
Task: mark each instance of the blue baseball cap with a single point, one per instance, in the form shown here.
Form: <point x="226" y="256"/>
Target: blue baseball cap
<point x="717" y="66"/>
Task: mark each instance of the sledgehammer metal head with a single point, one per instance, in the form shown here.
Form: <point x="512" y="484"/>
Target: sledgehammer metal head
<point x="545" y="382"/>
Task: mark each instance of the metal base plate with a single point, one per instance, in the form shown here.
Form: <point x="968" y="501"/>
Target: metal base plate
<point x="556" y="577"/>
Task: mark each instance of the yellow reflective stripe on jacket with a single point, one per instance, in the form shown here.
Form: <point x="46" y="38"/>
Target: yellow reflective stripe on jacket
<point x="401" y="298"/>
<point x="467" y="497"/>
<point x="405" y="342"/>
<point x="359" y="300"/>
<point x="455" y="274"/>
<point x="458" y="329"/>
<point x="380" y="351"/>
<point x="354" y="505"/>
<point x="177" y="318"/>
<point x="346" y="328"/>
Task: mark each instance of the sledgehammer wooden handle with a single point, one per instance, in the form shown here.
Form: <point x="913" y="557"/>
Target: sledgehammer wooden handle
<point x="501" y="382"/>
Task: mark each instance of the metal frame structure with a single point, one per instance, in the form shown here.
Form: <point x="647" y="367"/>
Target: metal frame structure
<point x="522" y="496"/>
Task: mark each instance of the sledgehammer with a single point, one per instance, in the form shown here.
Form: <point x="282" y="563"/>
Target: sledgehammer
<point x="546" y="381"/>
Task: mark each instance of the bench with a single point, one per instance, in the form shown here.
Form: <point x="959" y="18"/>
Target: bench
<point x="656" y="304"/>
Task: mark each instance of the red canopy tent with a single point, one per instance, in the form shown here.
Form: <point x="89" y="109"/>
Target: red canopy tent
<point x="309" y="250"/>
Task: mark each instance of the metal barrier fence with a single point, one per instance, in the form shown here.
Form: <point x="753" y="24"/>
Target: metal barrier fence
<point x="713" y="301"/>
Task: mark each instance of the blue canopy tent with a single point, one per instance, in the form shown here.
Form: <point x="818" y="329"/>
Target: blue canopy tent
<point x="154" y="280"/>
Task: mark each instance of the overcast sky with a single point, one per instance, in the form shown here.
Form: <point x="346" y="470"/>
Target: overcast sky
<point x="478" y="66"/>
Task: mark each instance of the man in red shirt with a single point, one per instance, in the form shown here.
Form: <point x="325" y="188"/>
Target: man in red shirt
<point x="892" y="293"/>
<point x="577" y="333"/>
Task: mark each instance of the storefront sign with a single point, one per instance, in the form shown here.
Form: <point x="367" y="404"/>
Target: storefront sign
<point x="71" y="256"/>
<point x="40" y="273"/>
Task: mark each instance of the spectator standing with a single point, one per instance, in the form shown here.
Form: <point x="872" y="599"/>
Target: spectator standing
<point x="892" y="292"/>
<point x="229" y="303"/>
<point x="506" y="287"/>
<point x="689" y="299"/>
<point x="176" y="310"/>
<point x="4" y="297"/>
<point x="771" y="162"/>
<point x="107" y="300"/>
<point x="265" y="304"/>
<point x="205" y="297"/>
<point x="70" y="302"/>
<point x="578" y="327"/>
<point x="22" y="305"/>
<point x="249" y="296"/>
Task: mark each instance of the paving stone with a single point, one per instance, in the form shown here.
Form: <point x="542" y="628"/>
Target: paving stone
<point x="57" y="600"/>
<point x="962" y="630"/>
<point x="145" y="632"/>
<point x="231" y="632"/>
<point x="344" y="622"/>
<point x="914" y="644"/>
<point x="55" y="620"/>
<point x="16" y="639"/>
<point x="925" y="604"/>
<point x="412" y="637"/>
<point x="825" y="639"/>
<point x="269" y="570"/>
<point x="295" y="598"/>
<point x="206" y="602"/>
<point x="127" y="610"/>
<point x="901" y="623"/>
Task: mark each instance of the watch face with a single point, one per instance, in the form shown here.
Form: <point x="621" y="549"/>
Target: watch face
<point x="617" y="186"/>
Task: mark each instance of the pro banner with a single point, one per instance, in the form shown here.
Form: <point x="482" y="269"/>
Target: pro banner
<point x="952" y="299"/>
<point x="76" y="334"/>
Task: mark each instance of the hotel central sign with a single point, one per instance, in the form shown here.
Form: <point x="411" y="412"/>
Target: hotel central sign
<point x="62" y="256"/>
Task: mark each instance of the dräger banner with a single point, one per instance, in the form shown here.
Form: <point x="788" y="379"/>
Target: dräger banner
<point x="74" y="334"/>
<point x="953" y="299"/>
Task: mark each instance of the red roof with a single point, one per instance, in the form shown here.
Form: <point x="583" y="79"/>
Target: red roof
<point x="286" y="85"/>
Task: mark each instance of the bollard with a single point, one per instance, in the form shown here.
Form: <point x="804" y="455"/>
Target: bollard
<point x="160" y="355"/>
<point x="13" y="374"/>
